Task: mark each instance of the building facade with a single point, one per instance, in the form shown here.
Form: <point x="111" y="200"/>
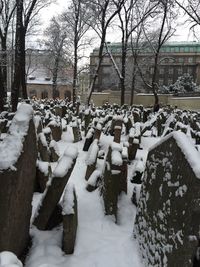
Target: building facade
<point x="176" y="58"/>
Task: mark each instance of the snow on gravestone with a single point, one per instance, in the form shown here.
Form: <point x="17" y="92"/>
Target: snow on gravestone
<point x="55" y="188"/>
<point x="8" y="259"/>
<point x="168" y="215"/>
<point x="18" y="154"/>
<point x="70" y="218"/>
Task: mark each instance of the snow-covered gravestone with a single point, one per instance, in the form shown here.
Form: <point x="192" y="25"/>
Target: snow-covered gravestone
<point x="18" y="155"/>
<point x="112" y="179"/>
<point x="92" y="159"/>
<point x="8" y="259"/>
<point x="168" y="215"/>
<point x="55" y="188"/>
<point x="70" y="218"/>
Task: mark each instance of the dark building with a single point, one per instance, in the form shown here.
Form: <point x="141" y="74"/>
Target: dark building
<point x="176" y="58"/>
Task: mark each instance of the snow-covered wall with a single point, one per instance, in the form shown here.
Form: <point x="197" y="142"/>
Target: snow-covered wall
<point x="168" y="215"/>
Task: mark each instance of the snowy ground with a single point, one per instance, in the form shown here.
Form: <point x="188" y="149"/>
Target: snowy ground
<point x="100" y="242"/>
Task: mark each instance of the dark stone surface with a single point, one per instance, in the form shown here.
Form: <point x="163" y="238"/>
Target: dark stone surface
<point x="51" y="199"/>
<point x="16" y="192"/>
<point x="70" y="224"/>
<point x="169" y="208"/>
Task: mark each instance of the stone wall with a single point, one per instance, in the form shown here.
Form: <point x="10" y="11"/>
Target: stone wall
<point x="147" y="100"/>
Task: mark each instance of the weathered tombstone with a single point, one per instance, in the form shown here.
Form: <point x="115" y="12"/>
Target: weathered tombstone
<point x="88" y="139"/>
<point x="117" y="129"/>
<point x="53" y="192"/>
<point x="43" y="148"/>
<point x="56" y="129"/>
<point x="17" y="176"/>
<point x="70" y="219"/>
<point x="112" y="179"/>
<point x="76" y="131"/>
<point x="87" y="120"/>
<point x="92" y="158"/>
<point x="97" y="132"/>
<point x="93" y="181"/>
<point x="124" y="171"/>
<point x="168" y="215"/>
<point x="43" y="172"/>
<point x="48" y="135"/>
<point x="54" y="153"/>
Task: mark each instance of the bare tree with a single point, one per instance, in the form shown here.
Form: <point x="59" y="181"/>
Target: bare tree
<point x="129" y="22"/>
<point x="103" y="12"/>
<point x="164" y="20"/>
<point x="55" y="43"/>
<point x="26" y="11"/>
<point x="192" y="9"/>
<point x="77" y="19"/>
<point x="18" y="42"/>
<point x="8" y="8"/>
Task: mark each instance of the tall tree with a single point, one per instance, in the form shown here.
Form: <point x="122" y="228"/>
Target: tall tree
<point x="6" y="15"/>
<point x="164" y="18"/>
<point x="103" y="12"/>
<point x="77" y="19"/>
<point x="26" y="11"/>
<point x="129" y="22"/>
<point x="55" y="43"/>
<point x="18" y="43"/>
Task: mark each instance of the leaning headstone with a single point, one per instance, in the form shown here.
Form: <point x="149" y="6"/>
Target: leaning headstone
<point x="93" y="180"/>
<point x="70" y="219"/>
<point x="92" y="159"/>
<point x="112" y="179"/>
<point x="56" y="129"/>
<point x="54" y="151"/>
<point x="43" y="149"/>
<point x="88" y="139"/>
<point x="53" y="192"/>
<point x="43" y="172"/>
<point x="168" y="215"/>
<point x="18" y="155"/>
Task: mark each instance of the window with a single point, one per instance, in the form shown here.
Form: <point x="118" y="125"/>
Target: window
<point x="180" y="59"/>
<point x="33" y="93"/>
<point x="44" y="95"/>
<point x="170" y="81"/>
<point x="190" y="59"/>
<point x="68" y="95"/>
<point x="161" y="81"/>
<point x="180" y="71"/>
<point x="189" y="70"/>
<point x="171" y="71"/>
<point x="161" y="71"/>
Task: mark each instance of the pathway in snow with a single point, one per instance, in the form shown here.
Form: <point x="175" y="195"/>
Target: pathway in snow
<point x="100" y="242"/>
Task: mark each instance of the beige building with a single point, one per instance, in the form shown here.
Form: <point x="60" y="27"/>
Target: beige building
<point x="39" y="76"/>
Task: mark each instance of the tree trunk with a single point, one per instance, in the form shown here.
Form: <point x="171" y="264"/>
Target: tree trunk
<point x="4" y="60"/>
<point x="123" y="71"/>
<point x="100" y="57"/>
<point x="23" y="65"/>
<point x="2" y="91"/>
<point x="55" y="77"/>
<point x="17" y="68"/>
<point x="75" y="73"/>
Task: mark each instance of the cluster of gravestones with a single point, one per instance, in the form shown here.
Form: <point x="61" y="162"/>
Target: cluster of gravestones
<point x="49" y="172"/>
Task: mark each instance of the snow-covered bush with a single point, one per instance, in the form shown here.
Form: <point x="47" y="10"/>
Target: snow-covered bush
<point x="184" y="84"/>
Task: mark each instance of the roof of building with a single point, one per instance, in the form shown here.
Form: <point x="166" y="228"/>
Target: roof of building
<point x="169" y="47"/>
